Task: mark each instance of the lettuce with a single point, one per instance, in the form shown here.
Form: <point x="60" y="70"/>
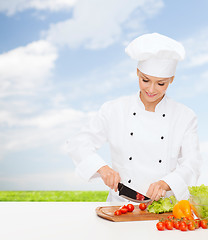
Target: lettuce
<point x="162" y="205"/>
<point x="199" y="199"/>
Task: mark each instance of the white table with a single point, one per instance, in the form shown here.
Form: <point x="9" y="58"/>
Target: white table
<point x="76" y="221"/>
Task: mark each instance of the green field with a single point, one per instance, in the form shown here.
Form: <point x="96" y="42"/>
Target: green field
<point x="53" y="196"/>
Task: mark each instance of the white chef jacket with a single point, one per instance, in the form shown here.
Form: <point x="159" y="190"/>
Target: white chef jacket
<point x="145" y="146"/>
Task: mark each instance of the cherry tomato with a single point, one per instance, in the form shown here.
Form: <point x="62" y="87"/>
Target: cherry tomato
<point x="142" y="206"/>
<point x="197" y="223"/>
<point x="140" y="197"/>
<point x="117" y="212"/>
<point x="124" y="210"/>
<point x="183" y="226"/>
<point x="169" y="225"/>
<point x="191" y="225"/>
<point x="176" y="224"/>
<point x="171" y="217"/>
<point x="130" y="207"/>
<point x="124" y="206"/>
<point x="160" y="226"/>
<point x="185" y="219"/>
<point x="204" y="224"/>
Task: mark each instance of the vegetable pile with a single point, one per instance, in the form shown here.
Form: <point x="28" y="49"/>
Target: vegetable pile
<point x="182" y="224"/>
<point x="182" y="219"/>
<point x="163" y="205"/>
<point x="199" y="200"/>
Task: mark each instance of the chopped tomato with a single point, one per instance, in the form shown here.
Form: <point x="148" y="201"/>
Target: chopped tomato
<point x="124" y="210"/>
<point x="117" y="212"/>
<point x="140" y="197"/>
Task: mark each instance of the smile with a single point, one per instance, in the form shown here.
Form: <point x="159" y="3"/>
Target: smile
<point x="150" y="95"/>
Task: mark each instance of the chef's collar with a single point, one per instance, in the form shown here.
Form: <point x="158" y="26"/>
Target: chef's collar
<point x="159" y="107"/>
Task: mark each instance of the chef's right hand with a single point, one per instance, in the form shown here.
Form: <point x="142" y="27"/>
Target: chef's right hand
<point x="110" y="177"/>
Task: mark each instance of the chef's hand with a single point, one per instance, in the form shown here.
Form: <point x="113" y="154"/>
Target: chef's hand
<point x="157" y="190"/>
<point x="110" y="177"/>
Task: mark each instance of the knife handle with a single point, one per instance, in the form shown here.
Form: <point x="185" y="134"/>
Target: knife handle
<point x="120" y="186"/>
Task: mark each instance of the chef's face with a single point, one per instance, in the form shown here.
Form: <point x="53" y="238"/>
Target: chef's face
<point x="152" y="88"/>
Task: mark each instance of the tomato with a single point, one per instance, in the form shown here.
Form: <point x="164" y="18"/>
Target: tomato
<point x="130" y="207"/>
<point x="185" y="219"/>
<point x="204" y="224"/>
<point x="117" y="212"/>
<point x="169" y="225"/>
<point x="142" y="206"/>
<point x="160" y="226"/>
<point x="197" y="223"/>
<point x="124" y="210"/>
<point x="183" y="226"/>
<point x="191" y="225"/>
<point x="171" y="217"/>
<point x="124" y="206"/>
<point x="140" y="197"/>
<point x="176" y="224"/>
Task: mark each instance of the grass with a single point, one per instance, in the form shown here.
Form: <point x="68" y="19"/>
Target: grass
<point x="53" y="196"/>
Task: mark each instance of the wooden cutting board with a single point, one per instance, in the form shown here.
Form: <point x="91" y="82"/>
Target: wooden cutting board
<point x="107" y="212"/>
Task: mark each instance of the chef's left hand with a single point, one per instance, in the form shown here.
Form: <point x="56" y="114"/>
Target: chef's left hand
<point x="157" y="190"/>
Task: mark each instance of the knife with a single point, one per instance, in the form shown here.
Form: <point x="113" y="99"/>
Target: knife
<point x="131" y="194"/>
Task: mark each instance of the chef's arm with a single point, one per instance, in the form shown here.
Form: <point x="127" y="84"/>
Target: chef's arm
<point x="188" y="170"/>
<point x="83" y="146"/>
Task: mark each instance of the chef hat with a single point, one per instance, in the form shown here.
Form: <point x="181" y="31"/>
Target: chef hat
<point x="157" y="55"/>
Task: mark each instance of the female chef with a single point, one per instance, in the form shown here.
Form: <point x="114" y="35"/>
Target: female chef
<point x="153" y="139"/>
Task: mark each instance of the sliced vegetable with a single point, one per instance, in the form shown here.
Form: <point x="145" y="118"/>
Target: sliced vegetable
<point x="124" y="209"/>
<point x="117" y="212"/>
<point x="140" y="197"/>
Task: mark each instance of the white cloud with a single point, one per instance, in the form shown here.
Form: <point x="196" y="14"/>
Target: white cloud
<point x="98" y="24"/>
<point x="196" y="49"/>
<point x="51" y="128"/>
<point x="58" y="180"/>
<point x="13" y="6"/>
<point x="24" y="69"/>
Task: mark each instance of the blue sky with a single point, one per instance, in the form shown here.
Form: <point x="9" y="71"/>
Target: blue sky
<point x="61" y="59"/>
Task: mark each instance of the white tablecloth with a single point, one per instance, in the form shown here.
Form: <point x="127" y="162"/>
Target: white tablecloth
<point x="76" y="221"/>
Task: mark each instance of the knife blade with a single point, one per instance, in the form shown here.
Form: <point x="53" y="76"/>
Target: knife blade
<point x="131" y="194"/>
